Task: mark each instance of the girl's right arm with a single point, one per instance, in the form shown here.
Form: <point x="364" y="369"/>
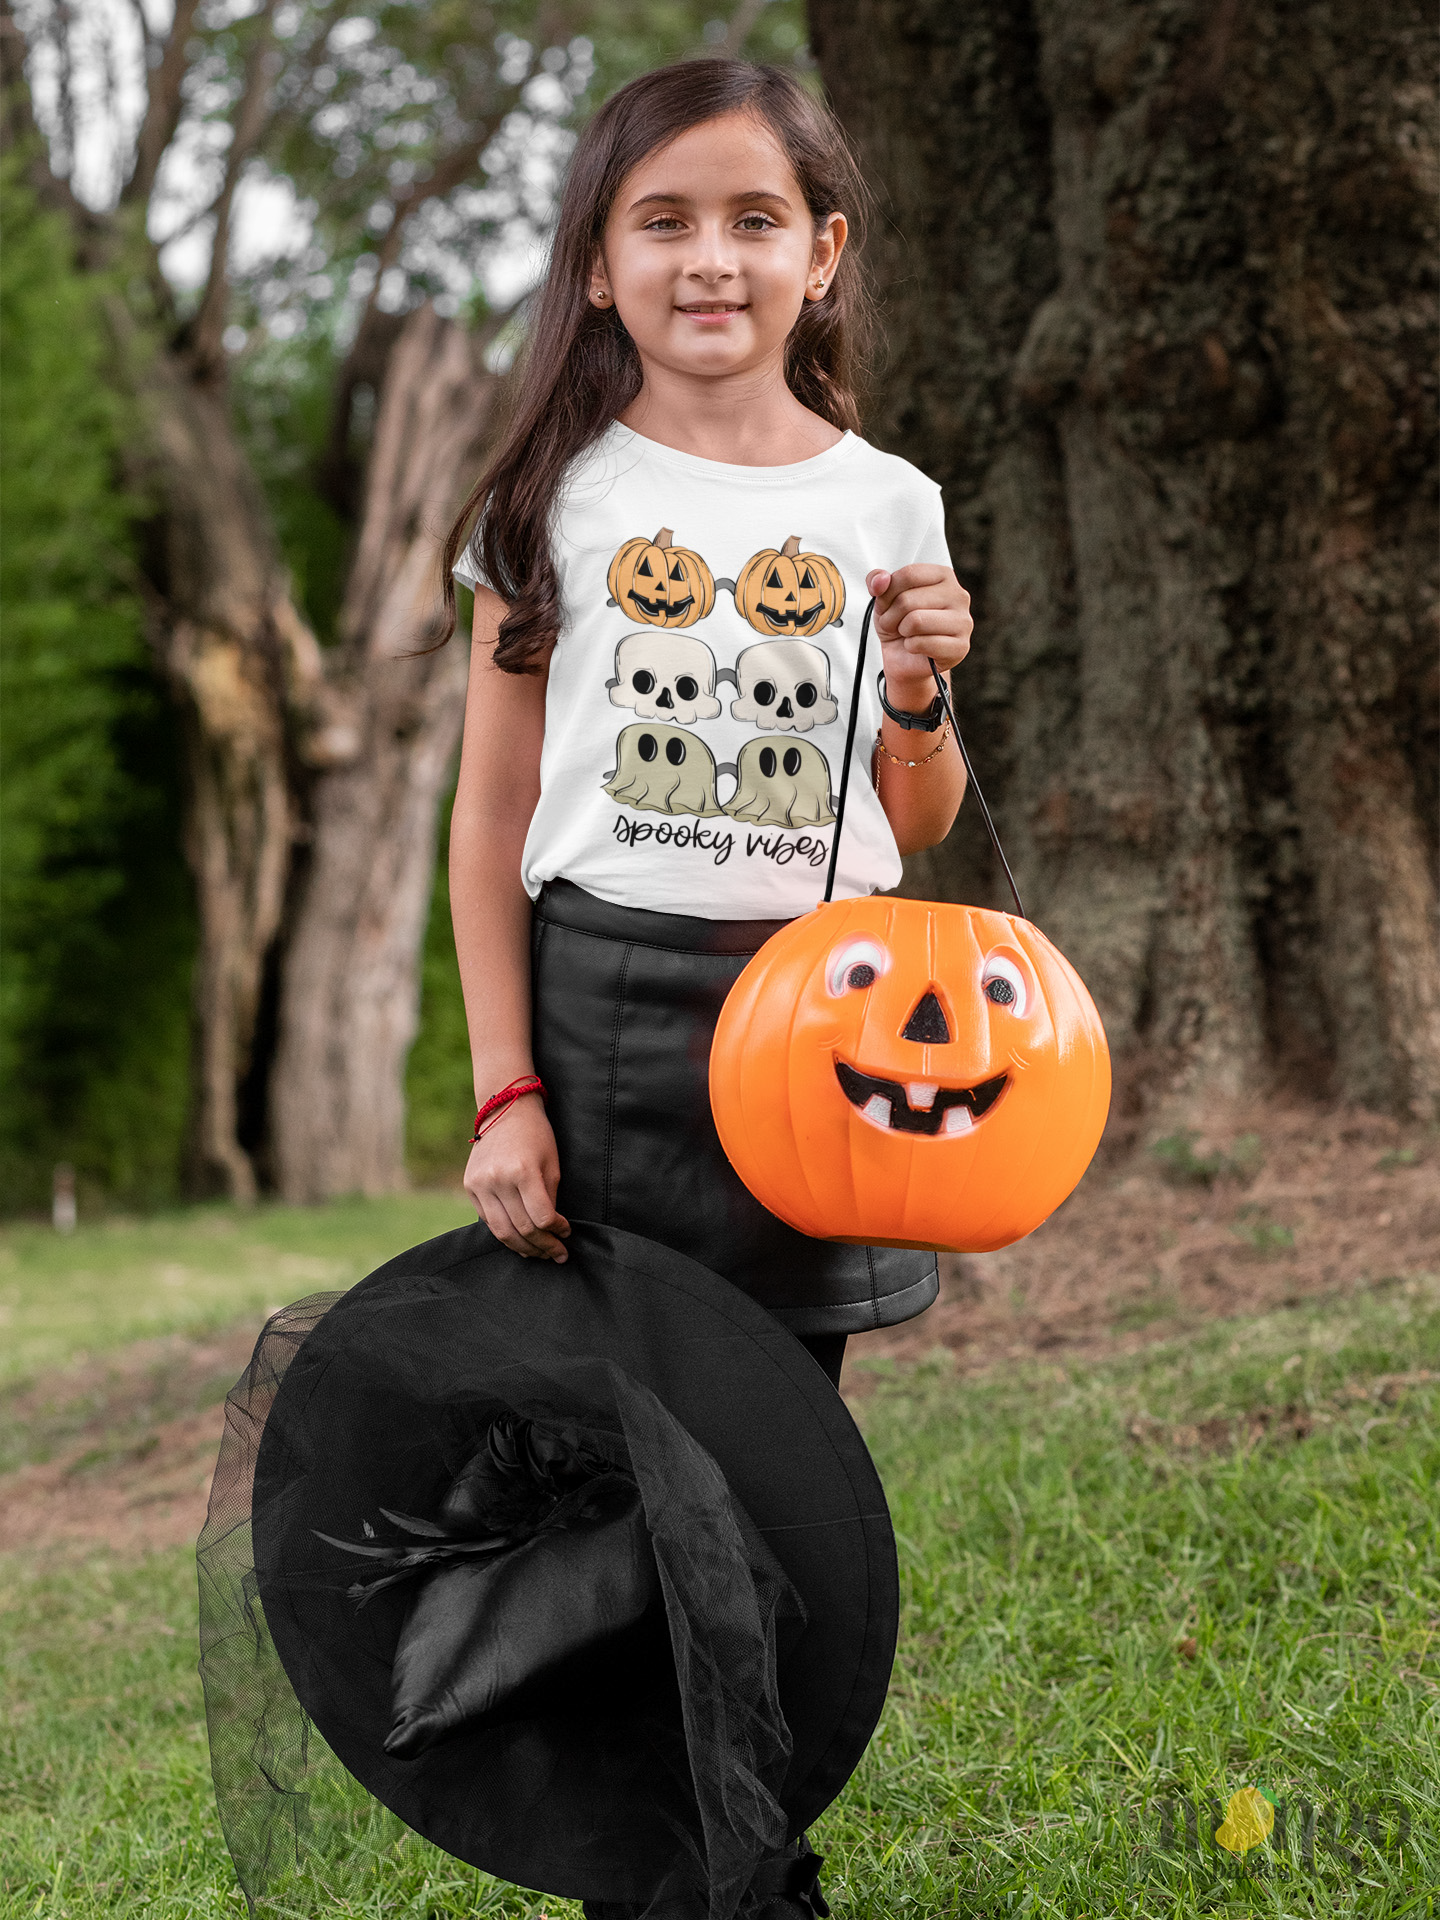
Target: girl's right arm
<point x="513" y="1173"/>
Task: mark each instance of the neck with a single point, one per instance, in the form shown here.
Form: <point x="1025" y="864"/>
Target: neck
<point x="746" y="419"/>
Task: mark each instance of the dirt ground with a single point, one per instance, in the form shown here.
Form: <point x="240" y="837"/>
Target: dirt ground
<point x="1263" y="1207"/>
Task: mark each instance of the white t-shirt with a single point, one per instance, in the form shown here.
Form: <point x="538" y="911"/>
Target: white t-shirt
<point x="700" y="688"/>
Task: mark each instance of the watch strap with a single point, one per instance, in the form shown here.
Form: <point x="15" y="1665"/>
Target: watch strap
<point x="926" y="721"/>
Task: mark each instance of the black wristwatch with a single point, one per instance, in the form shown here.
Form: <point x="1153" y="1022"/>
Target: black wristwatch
<point x="926" y="721"/>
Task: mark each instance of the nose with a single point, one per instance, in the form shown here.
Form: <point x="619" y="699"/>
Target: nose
<point x="927" y="1023"/>
<point x="665" y="700"/>
<point x="785" y="711"/>
<point x="712" y="256"/>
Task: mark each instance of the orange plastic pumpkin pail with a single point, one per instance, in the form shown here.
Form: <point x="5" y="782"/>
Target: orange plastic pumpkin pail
<point x="904" y="1073"/>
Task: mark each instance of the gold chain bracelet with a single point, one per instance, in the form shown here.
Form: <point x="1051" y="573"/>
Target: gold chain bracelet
<point x="939" y="747"/>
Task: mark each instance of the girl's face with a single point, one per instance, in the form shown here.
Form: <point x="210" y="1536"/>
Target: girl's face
<point x="710" y="250"/>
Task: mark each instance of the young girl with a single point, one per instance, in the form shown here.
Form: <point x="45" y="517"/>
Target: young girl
<point x="671" y="555"/>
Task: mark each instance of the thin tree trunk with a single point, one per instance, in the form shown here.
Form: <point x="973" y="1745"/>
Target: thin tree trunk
<point x="350" y="989"/>
<point x="223" y="625"/>
<point x="1160" y="285"/>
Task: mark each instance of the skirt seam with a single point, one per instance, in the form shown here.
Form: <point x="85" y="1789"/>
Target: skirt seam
<point x="610" y="1089"/>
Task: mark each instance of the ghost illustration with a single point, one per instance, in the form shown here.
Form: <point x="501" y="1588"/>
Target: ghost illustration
<point x="660" y="769"/>
<point x="665" y="676"/>
<point x="784" y="783"/>
<point x="784" y="686"/>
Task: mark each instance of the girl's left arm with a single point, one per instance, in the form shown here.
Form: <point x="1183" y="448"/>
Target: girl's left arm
<point x="922" y="613"/>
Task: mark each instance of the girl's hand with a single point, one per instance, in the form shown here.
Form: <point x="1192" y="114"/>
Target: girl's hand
<point x="922" y="613"/>
<point x="512" y="1176"/>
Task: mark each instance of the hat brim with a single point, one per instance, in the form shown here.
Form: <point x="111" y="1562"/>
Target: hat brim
<point x="573" y="1795"/>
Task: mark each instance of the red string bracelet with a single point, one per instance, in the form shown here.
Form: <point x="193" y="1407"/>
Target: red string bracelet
<point x="499" y="1103"/>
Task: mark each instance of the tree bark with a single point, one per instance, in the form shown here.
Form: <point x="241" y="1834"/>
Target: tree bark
<point x="350" y="990"/>
<point x="1159" y="287"/>
<point x="222" y="625"/>
<point x="315" y="778"/>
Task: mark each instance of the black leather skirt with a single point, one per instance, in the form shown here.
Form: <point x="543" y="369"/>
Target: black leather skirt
<point x="625" y="1008"/>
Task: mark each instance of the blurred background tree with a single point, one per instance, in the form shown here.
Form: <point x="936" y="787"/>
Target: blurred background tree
<point x="1161" y="313"/>
<point x="95" y="907"/>
<point x="310" y="220"/>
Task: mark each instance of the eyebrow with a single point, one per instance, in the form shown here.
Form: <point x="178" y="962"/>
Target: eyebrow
<point x="683" y="200"/>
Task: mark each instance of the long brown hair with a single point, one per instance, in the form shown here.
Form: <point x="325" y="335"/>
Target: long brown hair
<point x="581" y="370"/>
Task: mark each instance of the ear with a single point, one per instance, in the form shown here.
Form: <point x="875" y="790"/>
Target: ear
<point x="825" y="256"/>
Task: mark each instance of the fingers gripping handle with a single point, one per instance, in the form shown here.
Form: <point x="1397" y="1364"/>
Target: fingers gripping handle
<point x="943" y="687"/>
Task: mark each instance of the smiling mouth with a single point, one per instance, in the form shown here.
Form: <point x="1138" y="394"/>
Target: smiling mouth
<point x="901" y="1106"/>
<point x="662" y="606"/>
<point x="791" y="617"/>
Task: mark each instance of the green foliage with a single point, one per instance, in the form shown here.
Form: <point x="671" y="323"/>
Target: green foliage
<point x="94" y="901"/>
<point x="1185" y="1168"/>
<point x="1099" y="1614"/>
<point x="439" y="1089"/>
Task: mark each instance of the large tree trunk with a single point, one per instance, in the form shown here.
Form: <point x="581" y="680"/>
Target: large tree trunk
<point x="315" y="777"/>
<point x="1159" y="294"/>
<point x="350" y="992"/>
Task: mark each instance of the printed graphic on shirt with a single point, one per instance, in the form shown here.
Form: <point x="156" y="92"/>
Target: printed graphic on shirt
<point x="660" y="583"/>
<point x="784" y="687"/>
<point x="782" y="784"/>
<point x="660" y="769"/>
<point x="787" y="591"/>
<point x="665" y="676"/>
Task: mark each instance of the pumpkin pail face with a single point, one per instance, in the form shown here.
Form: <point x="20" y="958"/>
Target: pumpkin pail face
<point x="660" y="583"/>
<point x="901" y="1073"/>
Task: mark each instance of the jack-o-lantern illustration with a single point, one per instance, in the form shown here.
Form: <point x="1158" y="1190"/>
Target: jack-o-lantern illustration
<point x="660" y="769"/>
<point x="781" y="783"/>
<point x="790" y="592"/>
<point x="900" y="1073"/>
<point x="660" y="583"/>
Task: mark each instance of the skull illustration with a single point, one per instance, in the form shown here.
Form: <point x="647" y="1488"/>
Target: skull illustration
<point x="784" y="784"/>
<point x="665" y="676"/>
<point x="660" y="769"/>
<point x="784" y="686"/>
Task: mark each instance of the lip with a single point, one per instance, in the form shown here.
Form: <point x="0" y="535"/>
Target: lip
<point x="713" y="316"/>
<point x="886" y="1103"/>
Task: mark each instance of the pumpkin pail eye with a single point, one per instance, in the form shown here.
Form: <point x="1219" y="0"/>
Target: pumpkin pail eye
<point x="1003" y="983"/>
<point x="855" y="964"/>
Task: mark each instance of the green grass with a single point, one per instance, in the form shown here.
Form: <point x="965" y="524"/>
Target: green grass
<point x="190" y="1271"/>
<point x="1267" y="1490"/>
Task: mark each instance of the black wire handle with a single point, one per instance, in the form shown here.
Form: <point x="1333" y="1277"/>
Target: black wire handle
<point x="945" y="701"/>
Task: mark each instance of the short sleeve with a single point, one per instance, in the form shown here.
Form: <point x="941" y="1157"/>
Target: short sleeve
<point x="932" y="549"/>
<point x="467" y="569"/>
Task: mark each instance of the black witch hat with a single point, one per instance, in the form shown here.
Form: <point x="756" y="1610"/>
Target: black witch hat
<point x="584" y="1571"/>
